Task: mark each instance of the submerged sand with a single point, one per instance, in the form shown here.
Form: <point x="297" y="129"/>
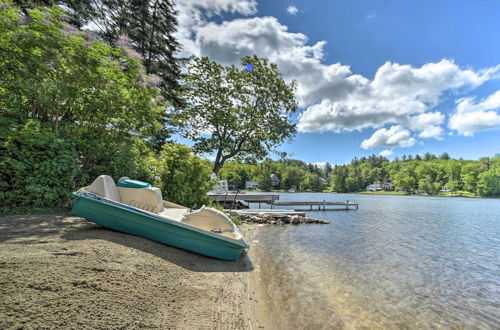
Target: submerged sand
<point x="65" y="272"/>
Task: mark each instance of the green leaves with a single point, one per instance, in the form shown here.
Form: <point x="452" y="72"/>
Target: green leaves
<point x="59" y="75"/>
<point x="184" y="177"/>
<point x="233" y="112"/>
<point x="37" y="168"/>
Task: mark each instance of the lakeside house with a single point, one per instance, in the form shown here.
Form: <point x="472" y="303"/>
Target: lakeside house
<point x="251" y="185"/>
<point x="445" y="189"/>
<point x="221" y="187"/>
<point x="377" y="186"/>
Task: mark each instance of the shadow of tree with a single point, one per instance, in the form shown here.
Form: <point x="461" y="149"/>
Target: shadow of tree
<point x="27" y="229"/>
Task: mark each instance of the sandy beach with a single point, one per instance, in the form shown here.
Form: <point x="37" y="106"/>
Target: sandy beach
<point x="61" y="271"/>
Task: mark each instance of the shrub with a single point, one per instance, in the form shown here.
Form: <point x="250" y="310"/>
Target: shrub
<point x="37" y="169"/>
<point x="184" y="176"/>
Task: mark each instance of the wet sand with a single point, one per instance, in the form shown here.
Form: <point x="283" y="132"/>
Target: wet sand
<point x="65" y="272"/>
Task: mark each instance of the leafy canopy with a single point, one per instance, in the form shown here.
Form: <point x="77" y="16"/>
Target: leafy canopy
<point x="232" y="112"/>
<point x="59" y="75"/>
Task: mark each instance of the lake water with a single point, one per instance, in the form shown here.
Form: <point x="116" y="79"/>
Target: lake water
<point x="397" y="262"/>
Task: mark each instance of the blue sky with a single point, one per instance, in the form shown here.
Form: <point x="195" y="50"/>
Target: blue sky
<point x="383" y="77"/>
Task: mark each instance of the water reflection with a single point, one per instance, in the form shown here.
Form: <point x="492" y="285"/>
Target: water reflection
<point x="397" y="262"/>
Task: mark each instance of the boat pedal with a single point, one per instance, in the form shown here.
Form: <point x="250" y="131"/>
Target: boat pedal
<point x="216" y="230"/>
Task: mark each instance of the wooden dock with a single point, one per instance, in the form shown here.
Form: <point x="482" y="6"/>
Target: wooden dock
<point x="267" y="211"/>
<point x="230" y="199"/>
<point x="321" y="205"/>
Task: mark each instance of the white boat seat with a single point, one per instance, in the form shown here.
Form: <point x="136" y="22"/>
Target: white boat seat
<point x="104" y="186"/>
<point x="208" y="219"/>
<point x="176" y="214"/>
<point x="149" y="199"/>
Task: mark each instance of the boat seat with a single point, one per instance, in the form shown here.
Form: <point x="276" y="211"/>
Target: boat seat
<point x="176" y="214"/>
<point x="149" y="199"/>
<point x="104" y="186"/>
<point x="209" y="219"/>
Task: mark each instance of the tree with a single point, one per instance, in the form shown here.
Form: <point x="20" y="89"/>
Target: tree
<point x="489" y="182"/>
<point x="428" y="156"/>
<point x="58" y="75"/>
<point x="185" y="177"/>
<point x="232" y="112"/>
<point x="148" y="26"/>
<point x="445" y="156"/>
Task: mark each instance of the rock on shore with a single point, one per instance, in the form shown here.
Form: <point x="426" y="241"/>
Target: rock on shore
<point x="275" y="218"/>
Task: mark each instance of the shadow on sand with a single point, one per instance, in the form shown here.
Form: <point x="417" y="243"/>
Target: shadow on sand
<point x="186" y="259"/>
<point x="39" y="229"/>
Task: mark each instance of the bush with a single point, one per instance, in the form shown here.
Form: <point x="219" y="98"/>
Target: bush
<point x="37" y="169"/>
<point x="184" y="176"/>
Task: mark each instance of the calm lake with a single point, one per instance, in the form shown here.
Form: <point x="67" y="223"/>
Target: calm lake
<point x="397" y="262"/>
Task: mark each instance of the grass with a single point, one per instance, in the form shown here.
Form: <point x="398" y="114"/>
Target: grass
<point x="382" y="192"/>
<point x="458" y="193"/>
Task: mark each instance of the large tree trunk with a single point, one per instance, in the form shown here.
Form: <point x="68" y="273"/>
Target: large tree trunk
<point x="217" y="166"/>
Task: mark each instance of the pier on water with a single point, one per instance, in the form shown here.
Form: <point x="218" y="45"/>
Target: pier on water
<point x="320" y="206"/>
<point x="234" y="200"/>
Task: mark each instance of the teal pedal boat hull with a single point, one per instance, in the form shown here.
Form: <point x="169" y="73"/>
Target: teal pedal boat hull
<point x="170" y="232"/>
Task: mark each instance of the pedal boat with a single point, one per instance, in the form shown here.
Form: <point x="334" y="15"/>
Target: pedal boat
<point x="136" y="208"/>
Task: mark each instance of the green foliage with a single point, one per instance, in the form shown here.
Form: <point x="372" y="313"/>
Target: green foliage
<point x="426" y="175"/>
<point x="52" y="72"/>
<point x="246" y="113"/>
<point x="235" y="220"/>
<point x="236" y="174"/>
<point x="184" y="177"/>
<point x="147" y="26"/>
<point x="291" y="173"/>
<point x="37" y="169"/>
<point x="489" y="181"/>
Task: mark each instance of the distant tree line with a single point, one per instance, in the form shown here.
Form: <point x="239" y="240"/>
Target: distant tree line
<point x="292" y="174"/>
<point x="411" y="174"/>
<point x="420" y="174"/>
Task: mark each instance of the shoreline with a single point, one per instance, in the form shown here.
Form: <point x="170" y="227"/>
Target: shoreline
<point x="63" y="271"/>
<point x="384" y="194"/>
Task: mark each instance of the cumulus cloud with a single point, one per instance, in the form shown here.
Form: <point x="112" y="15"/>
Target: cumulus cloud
<point x="396" y="136"/>
<point x="398" y="94"/>
<point x="470" y="117"/>
<point x="195" y="14"/>
<point x="292" y="10"/>
<point x="385" y="153"/>
<point x="320" y="164"/>
<point x="332" y="96"/>
<point x="428" y="124"/>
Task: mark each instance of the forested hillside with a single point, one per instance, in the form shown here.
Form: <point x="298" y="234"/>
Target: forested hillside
<point x="411" y="174"/>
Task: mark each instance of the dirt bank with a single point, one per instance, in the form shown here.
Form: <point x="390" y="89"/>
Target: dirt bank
<point x="64" y="272"/>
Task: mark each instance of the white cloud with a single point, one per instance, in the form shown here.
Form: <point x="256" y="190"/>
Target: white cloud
<point x="398" y="94"/>
<point x="396" y="136"/>
<point x="471" y="117"/>
<point x="334" y="98"/>
<point x="292" y="10"/>
<point x="194" y="14"/>
<point x="369" y="16"/>
<point x="428" y="124"/>
<point x="320" y="164"/>
<point x="385" y="153"/>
